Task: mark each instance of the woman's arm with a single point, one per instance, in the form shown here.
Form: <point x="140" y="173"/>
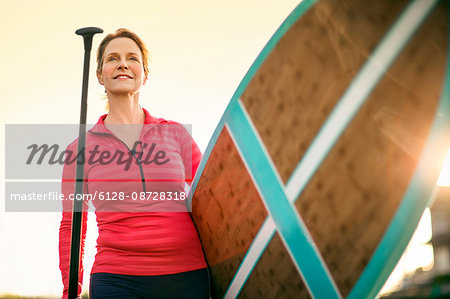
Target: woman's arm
<point x="191" y="155"/>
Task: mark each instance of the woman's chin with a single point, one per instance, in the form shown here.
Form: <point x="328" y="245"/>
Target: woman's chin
<point x="121" y="92"/>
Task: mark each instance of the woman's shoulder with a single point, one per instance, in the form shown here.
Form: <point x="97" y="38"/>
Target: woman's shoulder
<point x="167" y="121"/>
<point x="152" y="119"/>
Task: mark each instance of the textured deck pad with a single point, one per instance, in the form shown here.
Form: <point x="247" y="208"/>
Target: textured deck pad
<point x="228" y="212"/>
<point x="352" y="198"/>
<point x="274" y="276"/>
<point x="309" y="70"/>
<point x="346" y="206"/>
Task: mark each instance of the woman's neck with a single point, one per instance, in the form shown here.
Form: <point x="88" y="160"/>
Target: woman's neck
<point x="125" y="110"/>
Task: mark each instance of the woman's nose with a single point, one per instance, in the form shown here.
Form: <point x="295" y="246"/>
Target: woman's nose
<point x="122" y="65"/>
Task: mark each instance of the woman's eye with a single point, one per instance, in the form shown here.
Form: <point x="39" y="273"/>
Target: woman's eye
<point x="111" y="59"/>
<point x="134" y="58"/>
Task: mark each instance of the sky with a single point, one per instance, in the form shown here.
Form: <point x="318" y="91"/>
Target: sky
<point x="200" y="51"/>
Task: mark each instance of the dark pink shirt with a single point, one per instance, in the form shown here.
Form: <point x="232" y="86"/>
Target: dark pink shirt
<point x="139" y="233"/>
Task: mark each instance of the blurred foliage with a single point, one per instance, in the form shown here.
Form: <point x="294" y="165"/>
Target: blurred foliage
<point x="84" y="295"/>
<point x="12" y="296"/>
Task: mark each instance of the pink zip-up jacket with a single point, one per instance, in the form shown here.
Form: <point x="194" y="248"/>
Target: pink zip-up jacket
<point x="144" y="227"/>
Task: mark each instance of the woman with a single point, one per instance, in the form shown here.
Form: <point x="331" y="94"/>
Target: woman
<point x="147" y="246"/>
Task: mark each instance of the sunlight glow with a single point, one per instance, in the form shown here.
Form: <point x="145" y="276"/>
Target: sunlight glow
<point x="444" y="177"/>
<point x="418" y="254"/>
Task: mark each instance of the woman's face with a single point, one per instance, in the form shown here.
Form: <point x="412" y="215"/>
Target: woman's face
<point x="122" y="71"/>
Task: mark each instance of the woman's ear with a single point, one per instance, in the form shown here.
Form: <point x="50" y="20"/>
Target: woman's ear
<point x="99" y="78"/>
<point x="145" y="79"/>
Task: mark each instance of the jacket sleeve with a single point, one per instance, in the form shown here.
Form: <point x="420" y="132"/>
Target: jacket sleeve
<point x="191" y="155"/>
<point x="65" y="229"/>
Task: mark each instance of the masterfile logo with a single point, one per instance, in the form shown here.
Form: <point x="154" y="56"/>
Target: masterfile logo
<point x="147" y="175"/>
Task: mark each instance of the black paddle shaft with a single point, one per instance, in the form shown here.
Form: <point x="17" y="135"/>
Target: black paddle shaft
<point x="77" y="216"/>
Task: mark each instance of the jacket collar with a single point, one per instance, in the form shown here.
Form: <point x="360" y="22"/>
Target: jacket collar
<point x="149" y="120"/>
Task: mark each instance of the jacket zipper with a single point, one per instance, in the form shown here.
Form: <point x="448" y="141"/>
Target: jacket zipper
<point x="131" y="152"/>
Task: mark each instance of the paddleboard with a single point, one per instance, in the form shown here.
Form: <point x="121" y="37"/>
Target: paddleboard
<point x="325" y="158"/>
